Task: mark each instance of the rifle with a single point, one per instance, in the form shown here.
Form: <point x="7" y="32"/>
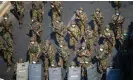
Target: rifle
<point x="96" y="19"/>
<point x="108" y="40"/>
<point x="57" y="10"/>
<point x="72" y="34"/>
<point x="38" y="36"/>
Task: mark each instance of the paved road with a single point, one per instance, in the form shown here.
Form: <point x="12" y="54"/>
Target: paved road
<point x="22" y="40"/>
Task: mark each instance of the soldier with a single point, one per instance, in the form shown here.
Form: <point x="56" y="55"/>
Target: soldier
<point x="34" y="50"/>
<point x="117" y="5"/>
<point x="36" y="29"/>
<point x="103" y="57"/>
<point x="56" y="9"/>
<point x="89" y="38"/>
<point x="37" y="11"/>
<point x="60" y="30"/>
<point x="82" y="19"/>
<point x="98" y="20"/>
<point x="63" y="53"/>
<point x="117" y="20"/>
<point x="7" y="24"/>
<point x="20" y="10"/>
<point x="109" y="38"/>
<point x="48" y="56"/>
<point x="84" y="58"/>
<point x="8" y="49"/>
<point x="74" y="33"/>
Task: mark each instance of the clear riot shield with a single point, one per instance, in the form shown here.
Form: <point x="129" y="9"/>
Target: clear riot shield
<point x="92" y="73"/>
<point x="74" y="73"/>
<point x="112" y="74"/>
<point x="35" y="72"/>
<point x="22" y="71"/>
<point x="55" y="73"/>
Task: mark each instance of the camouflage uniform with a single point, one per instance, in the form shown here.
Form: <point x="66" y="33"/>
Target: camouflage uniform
<point x="103" y="56"/>
<point x="37" y="11"/>
<point x="98" y="20"/>
<point x="74" y="33"/>
<point x="6" y="34"/>
<point x="109" y="38"/>
<point x="117" y="20"/>
<point x="7" y="24"/>
<point x="64" y="53"/>
<point x="56" y="8"/>
<point x="82" y="19"/>
<point x="73" y="64"/>
<point x="117" y="5"/>
<point x="20" y="10"/>
<point x="8" y="49"/>
<point x="34" y="50"/>
<point x="84" y="58"/>
<point x="89" y="39"/>
<point x="60" y="30"/>
<point x="36" y="29"/>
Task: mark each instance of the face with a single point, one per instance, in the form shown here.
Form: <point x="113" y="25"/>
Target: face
<point x="80" y="11"/>
<point x="5" y="18"/>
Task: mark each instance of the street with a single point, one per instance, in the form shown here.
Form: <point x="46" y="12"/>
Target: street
<point x="20" y="31"/>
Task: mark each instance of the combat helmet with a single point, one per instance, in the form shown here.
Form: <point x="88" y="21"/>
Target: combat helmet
<point x="97" y="10"/>
<point x="73" y="22"/>
<point x="107" y="28"/>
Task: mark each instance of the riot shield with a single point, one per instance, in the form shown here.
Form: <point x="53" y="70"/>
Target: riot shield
<point x="92" y="73"/>
<point x="22" y="71"/>
<point x="74" y="73"/>
<point x="112" y="74"/>
<point x="55" y="73"/>
<point x="36" y="72"/>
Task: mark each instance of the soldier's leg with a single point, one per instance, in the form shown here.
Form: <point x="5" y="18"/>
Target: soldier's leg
<point x="9" y="62"/>
<point x="60" y="63"/>
<point x="46" y="63"/>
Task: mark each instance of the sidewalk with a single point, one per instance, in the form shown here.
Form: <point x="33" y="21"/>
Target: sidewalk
<point x="5" y="6"/>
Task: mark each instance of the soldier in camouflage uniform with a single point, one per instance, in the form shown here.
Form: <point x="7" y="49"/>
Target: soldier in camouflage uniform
<point x="56" y="10"/>
<point x="8" y="48"/>
<point x="63" y="53"/>
<point x="98" y="21"/>
<point x="7" y="24"/>
<point x="89" y="38"/>
<point x="6" y="35"/>
<point x="82" y="19"/>
<point x="117" y="20"/>
<point x="109" y="38"/>
<point x="19" y="8"/>
<point x="84" y="58"/>
<point x="48" y="56"/>
<point x="117" y="5"/>
<point x="34" y="50"/>
<point x="60" y="30"/>
<point x="37" y="11"/>
<point x="74" y="33"/>
<point x="36" y="29"/>
<point x="103" y="57"/>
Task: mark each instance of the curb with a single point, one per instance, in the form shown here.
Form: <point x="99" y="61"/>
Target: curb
<point x="4" y="8"/>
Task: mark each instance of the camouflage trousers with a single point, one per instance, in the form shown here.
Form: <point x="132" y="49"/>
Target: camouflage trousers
<point x="63" y="62"/>
<point x="110" y="46"/>
<point x="104" y="64"/>
<point x="46" y="63"/>
<point x="33" y="57"/>
<point x="118" y="32"/>
<point x="90" y="44"/>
